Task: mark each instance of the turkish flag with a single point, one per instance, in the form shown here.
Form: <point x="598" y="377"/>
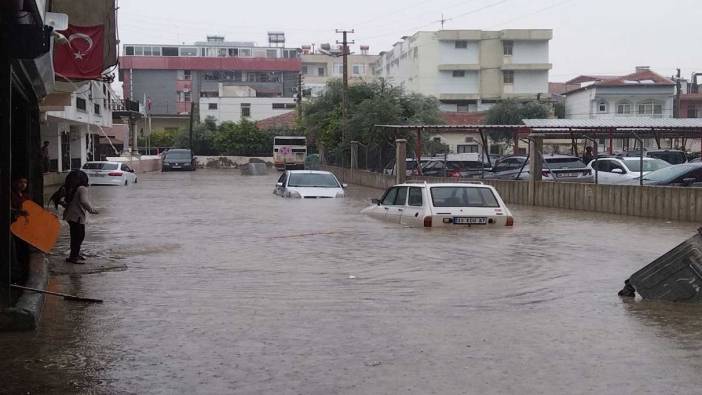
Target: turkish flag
<point x="82" y="57"/>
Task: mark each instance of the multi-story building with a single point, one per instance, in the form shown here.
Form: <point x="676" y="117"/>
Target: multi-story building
<point x="469" y="70"/>
<point x="172" y="77"/>
<point x="320" y="66"/>
<point x="73" y="128"/>
<point x="643" y="93"/>
<point x="234" y="103"/>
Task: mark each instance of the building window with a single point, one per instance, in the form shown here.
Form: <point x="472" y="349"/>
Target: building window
<point x="271" y="53"/>
<point x="623" y="108"/>
<point x="170" y="51"/>
<point x="467" y="148"/>
<point x="304" y="70"/>
<point x="358" y="69"/>
<point x="187" y="96"/>
<point x="129" y="51"/>
<point x="290" y="53"/>
<point x="602" y="106"/>
<point x="188" y="51"/>
<point x="245" y="52"/>
<point x="187" y="75"/>
<point x="338" y="68"/>
<point x="81" y="104"/>
<point x="155" y="51"/>
<point x="463" y="108"/>
<point x="233" y="52"/>
<point x="211" y="106"/>
<point x="138" y="51"/>
<point x="508" y="47"/>
<point x="459" y="73"/>
<point x="96" y="109"/>
<point x="692" y="112"/>
<point x="508" y="76"/>
<point x="461" y="44"/>
<point x="278" y="106"/>
<point x="320" y="71"/>
<point x="245" y="110"/>
<point x="650" y="108"/>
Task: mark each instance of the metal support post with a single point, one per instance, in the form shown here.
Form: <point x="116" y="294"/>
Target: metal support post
<point x="354" y="155"/>
<point x="536" y="147"/>
<point x="400" y="160"/>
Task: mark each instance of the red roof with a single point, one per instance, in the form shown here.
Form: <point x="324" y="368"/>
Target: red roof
<point x="286" y="120"/>
<point x="463" y="118"/>
<point x="560" y="88"/>
<point x="640" y="77"/>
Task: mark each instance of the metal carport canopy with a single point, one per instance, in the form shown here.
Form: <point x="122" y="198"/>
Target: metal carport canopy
<point x="617" y="127"/>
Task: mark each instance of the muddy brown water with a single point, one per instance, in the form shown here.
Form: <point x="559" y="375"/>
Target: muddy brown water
<point x="230" y="289"/>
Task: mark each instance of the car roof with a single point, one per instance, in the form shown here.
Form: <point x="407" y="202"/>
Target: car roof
<point x="102" y="161"/>
<point x="445" y="184"/>
<point x="309" y="172"/>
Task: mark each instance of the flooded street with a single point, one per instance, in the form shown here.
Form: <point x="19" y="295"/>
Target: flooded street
<point x="230" y="289"/>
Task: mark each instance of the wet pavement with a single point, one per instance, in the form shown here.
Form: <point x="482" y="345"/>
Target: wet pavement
<point x="214" y="285"/>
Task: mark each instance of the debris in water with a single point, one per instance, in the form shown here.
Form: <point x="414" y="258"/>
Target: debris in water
<point x="373" y="363"/>
<point x="674" y="277"/>
<point x="352" y="277"/>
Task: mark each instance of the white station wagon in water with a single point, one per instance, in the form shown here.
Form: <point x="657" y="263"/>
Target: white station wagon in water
<point x="442" y="205"/>
<point x="308" y="184"/>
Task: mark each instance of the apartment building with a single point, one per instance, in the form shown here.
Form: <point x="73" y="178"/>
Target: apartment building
<point x="73" y="128"/>
<point x="173" y="77"/>
<point x="235" y="103"/>
<point x="323" y="64"/>
<point x="469" y="70"/>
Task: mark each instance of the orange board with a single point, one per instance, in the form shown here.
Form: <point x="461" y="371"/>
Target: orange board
<point x="39" y="227"/>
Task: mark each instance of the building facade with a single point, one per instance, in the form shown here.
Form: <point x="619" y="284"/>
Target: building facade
<point x="469" y="70"/>
<point x="321" y="66"/>
<point x="173" y="77"/>
<point x="73" y="131"/>
<point x="235" y="103"/>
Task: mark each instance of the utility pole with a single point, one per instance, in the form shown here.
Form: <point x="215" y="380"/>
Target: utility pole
<point x="190" y="138"/>
<point x="299" y="95"/>
<point x="677" y="95"/>
<point x="345" y="94"/>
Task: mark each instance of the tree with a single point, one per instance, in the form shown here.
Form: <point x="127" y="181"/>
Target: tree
<point x="511" y="112"/>
<point x="370" y="104"/>
<point x="242" y="138"/>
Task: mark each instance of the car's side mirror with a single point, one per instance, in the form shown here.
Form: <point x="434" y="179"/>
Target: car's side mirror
<point x="279" y="184"/>
<point x="617" y="171"/>
<point x="689" y="181"/>
<point x="344" y="185"/>
<point x="376" y="202"/>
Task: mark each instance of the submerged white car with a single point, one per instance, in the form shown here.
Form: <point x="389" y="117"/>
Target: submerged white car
<point x="309" y="184"/>
<point x="442" y="205"/>
<point x="109" y="173"/>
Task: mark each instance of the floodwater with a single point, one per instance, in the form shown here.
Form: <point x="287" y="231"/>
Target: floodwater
<point x="230" y="289"/>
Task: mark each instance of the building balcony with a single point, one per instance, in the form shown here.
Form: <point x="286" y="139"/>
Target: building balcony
<point x="207" y="63"/>
<point x="459" y="67"/>
<point x="527" y="67"/>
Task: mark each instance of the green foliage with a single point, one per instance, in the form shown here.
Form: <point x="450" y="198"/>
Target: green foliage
<point x="511" y="112"/>
<point x="559" y="110"/>
<point x="243" y="139"/>
<point x="161" y="138"/>
<point x="369" y="104"/>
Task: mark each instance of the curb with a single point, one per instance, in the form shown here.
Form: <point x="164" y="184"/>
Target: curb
<point x="25" y="315"/>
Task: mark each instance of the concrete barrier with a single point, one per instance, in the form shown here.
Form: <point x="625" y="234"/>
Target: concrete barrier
<point x="668" y="203"/>
<point x="228" y="161"/>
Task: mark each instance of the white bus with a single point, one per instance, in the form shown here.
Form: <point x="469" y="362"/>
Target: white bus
<point x="289" y="152"/>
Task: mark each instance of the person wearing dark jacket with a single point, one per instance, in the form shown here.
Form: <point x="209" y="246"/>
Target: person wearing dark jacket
<point x="73" y="196"/>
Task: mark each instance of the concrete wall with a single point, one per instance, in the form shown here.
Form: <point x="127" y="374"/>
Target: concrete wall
<point x="530" y="52"/>
<point x="449" y="54"/>
<point x="228" y="161"/>
<point x="160" y="85"/>
<point x="468" y="84"/>
<point x="666" y="203"/>
<point x="229" y="108"/>
<point x="530" y="82"/>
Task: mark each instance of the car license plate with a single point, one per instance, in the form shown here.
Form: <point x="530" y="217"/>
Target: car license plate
<point x="470" y="220"/>
<point x="567" y="174"/>
<point x="98" y="175"/>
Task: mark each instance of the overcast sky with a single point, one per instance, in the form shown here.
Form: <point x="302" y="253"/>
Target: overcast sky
<point x="590" y="36"/>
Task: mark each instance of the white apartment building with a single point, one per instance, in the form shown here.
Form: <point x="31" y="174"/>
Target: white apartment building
<point x="74" y="120"/>
<point x="643" y="93"/>
<point x="321" y="66"/>
<point x="235" y="103"/>
<point x="469" y="70"/>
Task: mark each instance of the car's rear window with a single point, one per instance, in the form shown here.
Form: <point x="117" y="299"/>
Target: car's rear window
<point x="463" y="197"/>
<point x="313" y="180"/>
<point x="674" y="158"/>
<point x="178" y="155"/>
<point x="100" y="166"/>
<point x="564" y="163"/>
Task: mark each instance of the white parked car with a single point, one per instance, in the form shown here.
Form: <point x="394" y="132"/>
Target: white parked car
<point x="309" y="184"/>
<point x="621" y="170"/>
<point x="442" y="205"/>
<point x="109" y="173"/>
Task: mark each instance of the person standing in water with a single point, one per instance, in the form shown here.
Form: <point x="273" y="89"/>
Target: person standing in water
<point x="73" y="196"/>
